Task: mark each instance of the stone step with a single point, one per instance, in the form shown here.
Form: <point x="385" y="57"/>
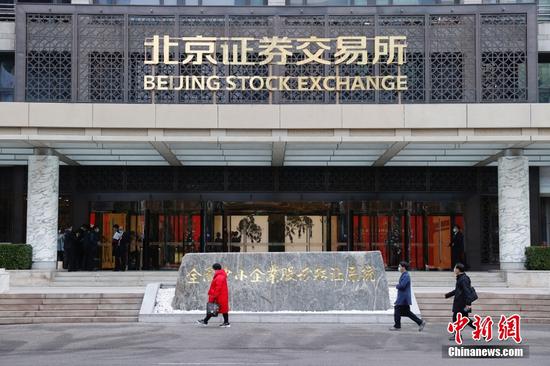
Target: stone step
<point x="106" y="284"/>
<point x="68" y="313"/>
<point x="73" y="296"/>
<point x="489" y="307"/>
<point x="55" y="301"/>
<point x="432" y="296"/>
<point x="120" y="278"/>
<point x="100" y="273"/>
<point x="23" y="307"/>
<point x="34" y="320"/>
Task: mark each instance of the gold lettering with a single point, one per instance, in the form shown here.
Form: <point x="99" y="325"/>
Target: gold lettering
<point x="275" y="47"/>
<point x="213" y="83"/>
<point x="357" y="84"/>
<point x="287" y="274"/>
<point x="256" y="275"/>
<point x="305" y="274"/>
<point x="336" y="274"/>
<point x="193" y="276"/>
<point x="155" y="45"/>
<point x="353" y="276"/>
<point x="166" y="47"/>
<point x="231" y="83"/>
<point x="402" y="82"/>
<point x="388" y="83"/>
<point x="367" y="273"/>
<point x="342" y="81"/>
<point x="272" y="274"/>
<point x="315" y="56"/>
<point x="148" y="82"/>
<point x="326" y="84"/>
<point x="388" y="47"/>
<point x="199" y="48"/>
<point x="162" y="83"/>
<point x="349" y="49"/>
<point x="320" y="274"/>
<point x="241" y="276"/>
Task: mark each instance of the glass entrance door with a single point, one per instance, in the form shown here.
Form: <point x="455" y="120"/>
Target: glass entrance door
<point x="406" y="231"/>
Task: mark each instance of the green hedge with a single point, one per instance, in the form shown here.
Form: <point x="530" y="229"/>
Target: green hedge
<point x="537" y="258"/>
<point x="15" y="256"/>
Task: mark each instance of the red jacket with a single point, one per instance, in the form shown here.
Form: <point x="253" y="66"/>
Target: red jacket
<point x="218" y="292"/>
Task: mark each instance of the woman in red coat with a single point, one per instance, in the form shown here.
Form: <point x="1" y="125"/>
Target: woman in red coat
<point x="219" y="294"/>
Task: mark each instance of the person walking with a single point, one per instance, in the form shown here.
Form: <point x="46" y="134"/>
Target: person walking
<point x="457" y="246"/>
<point x="219" y="294"/>
<point x="402" y="306"/>
<point x="462" y="302"/>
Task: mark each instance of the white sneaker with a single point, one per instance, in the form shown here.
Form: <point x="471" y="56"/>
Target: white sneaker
<point x="225" y="325"/>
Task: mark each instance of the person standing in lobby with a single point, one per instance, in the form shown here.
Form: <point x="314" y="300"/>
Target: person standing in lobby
<point x="117" y="253"/>
<point x="403" y="302"/>
<point x="457" y="246"/>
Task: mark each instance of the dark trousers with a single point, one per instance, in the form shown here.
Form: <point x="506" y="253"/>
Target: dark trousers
<point x="464" y="314"/>
<point x="121" y="255"/>
<point x="89" y="258"/>
<point x="225" y="318"/>
<point x="404" y="310"/>
<point x="72" y="259"/>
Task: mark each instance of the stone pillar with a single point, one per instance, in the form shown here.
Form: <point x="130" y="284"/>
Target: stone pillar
<point x="42" y="209"/>
<point x="514" y="228"/>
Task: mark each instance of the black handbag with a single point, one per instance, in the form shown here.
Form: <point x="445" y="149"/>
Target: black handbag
<point x="212" y="309"/>
<point x="473" y="295"/>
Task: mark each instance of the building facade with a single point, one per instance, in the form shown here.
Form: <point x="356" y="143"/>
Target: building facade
<point x="278" y="127"/>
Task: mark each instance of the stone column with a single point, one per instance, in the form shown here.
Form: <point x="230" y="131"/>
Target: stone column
<point x="514" y="228"/>
<point x="42" y="209"/>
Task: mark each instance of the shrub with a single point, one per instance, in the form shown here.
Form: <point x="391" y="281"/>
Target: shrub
<point x="15" y="256"/>
<point x="537" y="258"/>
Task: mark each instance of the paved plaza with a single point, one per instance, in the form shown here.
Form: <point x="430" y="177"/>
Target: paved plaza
<point x="242" y="344"/>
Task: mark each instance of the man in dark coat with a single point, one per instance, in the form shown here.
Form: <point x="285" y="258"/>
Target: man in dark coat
<point x="402" y="306"/>
<point x="219" y="294"/>
<point x="88" y="246"/>
<point x="457" y="246"/>
<point x="69" y="245"/>
<point x="462" y="295"/>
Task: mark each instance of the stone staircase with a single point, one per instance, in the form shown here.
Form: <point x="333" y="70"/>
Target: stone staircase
<point x="26" y="308"/>
<point x="446" y="279"/>
<point x="113" y="279"/>
<point x="532" y="307"/>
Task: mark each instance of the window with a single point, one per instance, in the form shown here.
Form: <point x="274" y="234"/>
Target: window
<point x="544" y="77"/>
<point x="7" y="77"/>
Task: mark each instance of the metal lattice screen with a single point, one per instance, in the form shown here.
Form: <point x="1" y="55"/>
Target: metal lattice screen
<point x="101" y="59"/>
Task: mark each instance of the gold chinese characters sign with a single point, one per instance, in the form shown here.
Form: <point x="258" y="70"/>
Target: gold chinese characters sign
<point x="274" y="274"/>
<point x="274" y="52"/>
<point x="287" y="281"/>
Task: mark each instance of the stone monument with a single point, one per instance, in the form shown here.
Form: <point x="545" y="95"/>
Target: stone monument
<point x="269" y="282"/>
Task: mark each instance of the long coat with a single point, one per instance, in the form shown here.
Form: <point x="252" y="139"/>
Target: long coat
<point x="218" y="291"/>
<point x="404" y="290"/>
<point x="461" y="293"/>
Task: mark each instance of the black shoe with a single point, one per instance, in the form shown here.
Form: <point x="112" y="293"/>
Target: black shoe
<point x="421" y="326"/>
<point x="225" y="325"/>
<point x="202" y="322"/>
